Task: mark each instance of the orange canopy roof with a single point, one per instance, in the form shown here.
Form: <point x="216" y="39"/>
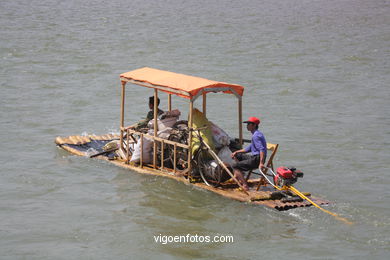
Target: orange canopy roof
<point x="178" y="84"/>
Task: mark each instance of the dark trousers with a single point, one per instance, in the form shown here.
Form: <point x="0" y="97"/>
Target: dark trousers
<point x="246" y="162"/>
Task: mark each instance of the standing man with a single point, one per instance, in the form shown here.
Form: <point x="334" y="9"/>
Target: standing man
<point x="246" y="161"/>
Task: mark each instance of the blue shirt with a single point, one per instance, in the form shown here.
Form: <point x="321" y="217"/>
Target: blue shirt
<point x="258" y="144"/>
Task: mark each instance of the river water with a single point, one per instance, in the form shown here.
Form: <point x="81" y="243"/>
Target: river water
<point x="316" y="72"/>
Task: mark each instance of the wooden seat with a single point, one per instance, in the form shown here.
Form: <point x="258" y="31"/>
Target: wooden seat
<point x="269" y="164"/>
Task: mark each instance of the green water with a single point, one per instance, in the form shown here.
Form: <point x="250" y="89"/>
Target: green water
<point x="315" y="72"/>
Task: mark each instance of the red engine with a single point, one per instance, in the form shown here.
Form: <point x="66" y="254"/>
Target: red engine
<point x="287" y="176"/>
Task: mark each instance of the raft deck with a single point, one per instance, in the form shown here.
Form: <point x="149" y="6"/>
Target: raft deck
<point x="92" y="144"/>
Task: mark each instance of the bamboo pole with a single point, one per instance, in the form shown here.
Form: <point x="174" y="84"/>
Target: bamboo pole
<point x="123" y="104"/>
<point x="141" y="156"/>
<point x="220" y="162"/>
<point x="127" y="147"/>
<point x="300" y="194"/>
<point x="160" y="139"/>
<point x="155" y="128"/>
<point x="162" y="155"/>
<point x="122" y="118"/>
<point x="204" y="103"/>
<point x="169" y="102"/>
<point x="174" y="157"/>
<point x="190" y="136"/>
<point x="240" y="120"/>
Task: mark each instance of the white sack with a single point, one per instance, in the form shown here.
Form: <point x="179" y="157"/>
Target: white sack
<point x="220" y="137"/>
<point x="147" y="152"/>
<point x="164" y="123"/>
<point x="226" y="155"/>
<point x="164" y="133"/>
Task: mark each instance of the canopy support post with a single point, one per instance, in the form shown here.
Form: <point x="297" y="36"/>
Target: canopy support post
<point x="190" y="136"/>
<point x="240" y="120"/>
<point x="169" y="102"/>
<point x="155" y="128"/>
<point x="122" y="118"/>
<point x="204" y="103"/>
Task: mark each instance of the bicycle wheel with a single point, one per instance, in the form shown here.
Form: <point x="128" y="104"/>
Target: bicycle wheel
<point x="181" y="125"/>
<point x="181" y="153"/>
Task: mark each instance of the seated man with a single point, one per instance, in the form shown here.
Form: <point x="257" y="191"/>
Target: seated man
<point x="150" y="115"/>
<point x="257" y="149"/>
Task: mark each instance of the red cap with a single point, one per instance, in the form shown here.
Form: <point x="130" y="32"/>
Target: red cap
<point x="254" y="120"/>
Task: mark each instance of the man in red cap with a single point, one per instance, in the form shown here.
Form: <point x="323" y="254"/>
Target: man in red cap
<point x="246" y="161"/>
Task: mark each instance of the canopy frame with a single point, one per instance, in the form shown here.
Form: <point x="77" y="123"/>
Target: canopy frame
<point x="202" y="91"/>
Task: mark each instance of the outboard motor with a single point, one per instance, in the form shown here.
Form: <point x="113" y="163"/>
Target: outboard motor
<point x="212" y="173"/>
<point x="287" y="176"/>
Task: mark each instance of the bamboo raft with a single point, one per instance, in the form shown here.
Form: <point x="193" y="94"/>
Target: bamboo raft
<point x="82" y="146"/>
<point x="184" y="164"/>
